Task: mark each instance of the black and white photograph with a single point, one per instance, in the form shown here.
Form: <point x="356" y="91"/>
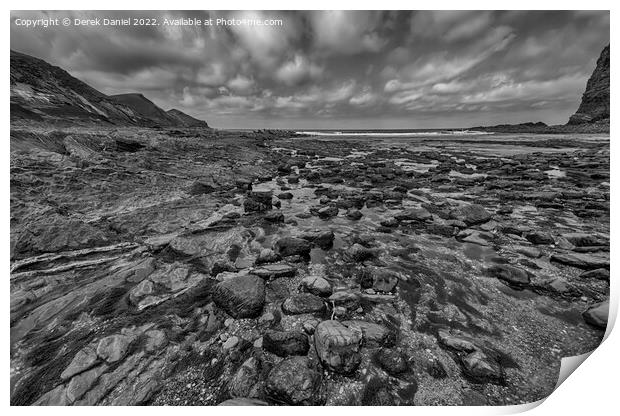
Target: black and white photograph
<point x="306" y="207"/>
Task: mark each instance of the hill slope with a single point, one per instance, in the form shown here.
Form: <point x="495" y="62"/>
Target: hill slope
<point x="186" y="120"/>
<point x="43" y="92"/>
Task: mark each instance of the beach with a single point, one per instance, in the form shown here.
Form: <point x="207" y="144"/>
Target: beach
<point x="448" y="269"/>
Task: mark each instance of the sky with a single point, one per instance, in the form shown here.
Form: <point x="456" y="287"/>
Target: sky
<point x="335" y="69"/>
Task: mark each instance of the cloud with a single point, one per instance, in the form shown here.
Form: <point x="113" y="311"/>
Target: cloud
<point x="449" y="25"/>
<point x="358" y="67"/>
<point x="346" y="32"/>
<point x="297" y="71"/>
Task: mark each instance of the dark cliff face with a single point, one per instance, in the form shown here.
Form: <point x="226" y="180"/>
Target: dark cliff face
<point x="595" y="101"/>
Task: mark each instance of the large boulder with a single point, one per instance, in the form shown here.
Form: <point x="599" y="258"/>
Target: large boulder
<point x="321" y="238"/>
<point x="83" y="360"/>
<point x="597" y="314"/>
<point x="114" y="347"/>
<point x="393" y="362"/>
<point x="241" y="296"/>
<point x="294" y="381"/>
<point x="471" y="214"/>
<point x="292" y="246"/>
<point x="316" y="285"/>
<point x="373" y="335"/>
<point x="285" y="343"/>
<point x="258" y="201"/>
<point x="338" y="347"/>
<point x="509" y="274"/>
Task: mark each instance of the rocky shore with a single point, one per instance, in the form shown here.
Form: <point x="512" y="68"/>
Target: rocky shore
<point x="188" y="267"/>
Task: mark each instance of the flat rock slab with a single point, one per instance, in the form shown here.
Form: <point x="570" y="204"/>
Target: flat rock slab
<point x="303" y="303"/>
<point x="274" y="271"/>
<point x="581" y="261"/>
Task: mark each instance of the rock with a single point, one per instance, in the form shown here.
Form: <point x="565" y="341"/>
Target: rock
<point x="454" y="342"/>
<point x="377" y="393"/>
<point x="113" y="348"/>
<point x="338" y="347"/>
<point x="309" y="325"/>
<point x="597" y="314"/>
<point x="222" y="266"/>
<point x="155" y="340"/>
<point x="539" y="237"/>
<point x="294" y="381"/>
<point x="586" y="240"/>
<point x="258" y="201"/>
<point x="274" y="271"/>
<point x="393" y="362"/>
<point x="595" y="103"/>
<point x="230" y="343"/>
<point x="529" y="252"/>
<point x="267" y="319"/>
<point x="600" y="274"/>
<point x="414" y="214"/>
<point x="202" y="187"/>
<point x="472" y="214"/>
<point x="55" y="397"/>
<point x="241" y="296"/>
<point x="142" y="289"/>
<point x="285" y="343"/>
<point x="316" y="285"/>
<point x="345" y="299"/>
<point x="327" y="212"/>
<point x="436" y="369"/>
<point x="359" y="253"/>
<point x="244" y="383"/>
<point x="83" y="360"/>
<point x="274" y="217"/>
<point x="354" y="214"/>
<point x="384" y="280"/>
<point x="267" y="255"/>
<point x="321" y="238"/>
<point x="373" y="335"/>
<point x="81" y="383"/>
<point x="390" y="222"/>
<point x="510" y="274"/>
<point x="482" y="368"/>
<point x="243" y="401"/>
<point x="581" y="261"/>
<point x="480" y="238"/>
<point x="303" y="303"/>
<point x="285" y="196"/>
<point x="292" y="246"/>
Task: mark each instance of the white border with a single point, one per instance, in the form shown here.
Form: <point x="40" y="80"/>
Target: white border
<point x="592" y="389"/>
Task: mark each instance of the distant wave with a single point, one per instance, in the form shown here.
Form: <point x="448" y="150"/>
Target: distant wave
<point x="395" y="134"/>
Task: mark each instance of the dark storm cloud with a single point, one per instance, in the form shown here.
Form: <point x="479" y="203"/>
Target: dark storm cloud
<point x="334" y="69"/>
